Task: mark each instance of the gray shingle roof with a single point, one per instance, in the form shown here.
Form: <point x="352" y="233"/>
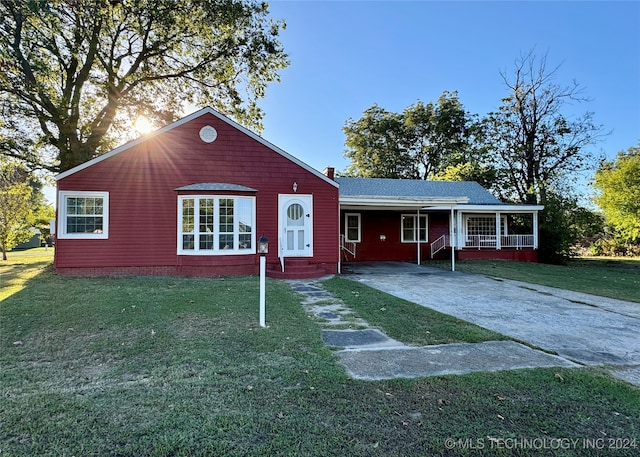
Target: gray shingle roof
<point x="217" y="186"/>
<point x="409" y="188"/>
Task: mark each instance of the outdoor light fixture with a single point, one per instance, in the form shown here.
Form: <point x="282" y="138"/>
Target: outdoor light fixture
<point x="295" y="186"/>
<point x="263" y="245"/>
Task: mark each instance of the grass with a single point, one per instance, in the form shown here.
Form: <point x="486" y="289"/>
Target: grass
<point x="21" y="266"/>
<point x="180" y="367"/>
<point x="607" y="277"/>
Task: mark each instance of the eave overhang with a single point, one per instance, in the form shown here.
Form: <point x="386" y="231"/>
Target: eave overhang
<point x="506" y="208"/>
<point x="397" y="203"/>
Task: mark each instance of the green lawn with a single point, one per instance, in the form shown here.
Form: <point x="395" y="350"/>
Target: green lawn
<point x="607" y="277"/>
<point x="180" y="367"/>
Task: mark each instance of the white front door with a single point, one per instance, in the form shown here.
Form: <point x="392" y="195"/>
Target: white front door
<point x="296" y="223"/>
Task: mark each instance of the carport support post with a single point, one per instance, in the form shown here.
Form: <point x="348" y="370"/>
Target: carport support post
<point x="452" y="234"/>
<point x="418" y="236"/>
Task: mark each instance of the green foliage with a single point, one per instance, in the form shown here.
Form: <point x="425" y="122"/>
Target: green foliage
<point x="618" y="183"/>
<point x="613" y="247"/>
<point x="484" y="175"/>
<point x="422" y="142"/>
<point x="16" y="214"/>
<point x="22" y="206"/>
<point x="563" y="225"/>
<point x="78" y="73"/>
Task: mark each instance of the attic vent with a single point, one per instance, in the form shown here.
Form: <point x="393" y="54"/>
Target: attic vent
<point x="208" y="134"/>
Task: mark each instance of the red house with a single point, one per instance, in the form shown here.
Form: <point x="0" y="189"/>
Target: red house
<point x="192" y="199"/>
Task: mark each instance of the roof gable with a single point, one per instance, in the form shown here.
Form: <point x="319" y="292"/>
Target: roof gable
<point x="416" y="189"/>
<point x="184" y="120"/>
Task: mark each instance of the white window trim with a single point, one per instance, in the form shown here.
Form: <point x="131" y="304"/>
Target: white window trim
<point x="216" y="251"/>
<point x="415" y="229"/>
<point x="62" y="215"/>
<point x="503" y="222"/>
<point x="346" y="227"/>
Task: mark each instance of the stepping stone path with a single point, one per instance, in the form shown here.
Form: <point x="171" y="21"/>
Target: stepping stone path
<point x="367" y="353"/>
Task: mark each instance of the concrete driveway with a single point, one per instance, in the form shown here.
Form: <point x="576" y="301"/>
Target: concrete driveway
<point x="586" y="329"/>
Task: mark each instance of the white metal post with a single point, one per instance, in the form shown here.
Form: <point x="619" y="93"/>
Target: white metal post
<point x="263" y="268"/>
<point x="498" y="231"/>
<point x="451" y="237"/>
<point x="418" y="236"/>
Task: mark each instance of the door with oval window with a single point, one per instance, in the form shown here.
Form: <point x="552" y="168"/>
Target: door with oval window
<point x="296" y="222"/>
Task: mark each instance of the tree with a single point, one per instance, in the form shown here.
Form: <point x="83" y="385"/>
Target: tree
<point x="536" y="145"/>
<point x="618" y="183"/>
<point x="419" y="143"/>
<point x="78" y="72"/>
<point x="375" y="145"/>
<point x="16" y="216"/>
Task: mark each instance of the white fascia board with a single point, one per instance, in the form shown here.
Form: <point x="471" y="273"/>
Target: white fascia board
<point x="398" y="202"/>
<point x="493" y="208"/>
<point x="184" y="120"/>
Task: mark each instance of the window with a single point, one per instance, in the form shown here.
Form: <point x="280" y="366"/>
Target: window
<point x="410" y="228"/>
<point x="352" y="227"/>
<point x="485" y="225"/>
<point x="210" y="225"/>
<point x="83" y="215"/>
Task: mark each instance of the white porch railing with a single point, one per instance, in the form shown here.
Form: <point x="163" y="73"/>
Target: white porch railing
<point x="347" y="246"/>
<point x="506" y="241"/>
<point x="439" y="244"/>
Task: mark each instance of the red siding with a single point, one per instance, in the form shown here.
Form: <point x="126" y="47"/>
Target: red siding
<point x="388" y="223"/>
<point x="143" y="203"/>
<point x="519" y="255"/>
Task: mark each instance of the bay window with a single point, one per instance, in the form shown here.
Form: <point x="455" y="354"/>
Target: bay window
<point x="216" y="225"/>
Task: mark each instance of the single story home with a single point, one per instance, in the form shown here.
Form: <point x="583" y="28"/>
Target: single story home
<point x="193" y="198"/>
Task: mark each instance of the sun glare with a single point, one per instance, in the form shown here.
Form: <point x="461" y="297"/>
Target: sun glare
<point x="143" y="125"/>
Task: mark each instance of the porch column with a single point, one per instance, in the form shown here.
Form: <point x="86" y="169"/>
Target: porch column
<point x="452" y="234"/>
<point x="535" y="230"/>
<point x="498" y="232"/>
<point x="458" y="233"/>
<point x="418" y="237"/>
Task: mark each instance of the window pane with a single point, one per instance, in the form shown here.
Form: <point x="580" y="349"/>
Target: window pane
<point x="188" y="216"/>
<point x="353" y="227"/>
<point x="187" y="242"/>
<point x="245" y="218"/>
<point x="226" y="241"/>
<point x="245" y="241"/>
<point x="206" y="242"/>
<point x="81" y="213"/>
<point x="206" y="215"/>
<point x="423" y="228"/>
<point x="226" y="216"/>
<point x="295" y="214"/>
<point x="408" y="231"/>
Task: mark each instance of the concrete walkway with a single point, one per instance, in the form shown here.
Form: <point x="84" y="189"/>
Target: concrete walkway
<point x="583" y="328"/>
<point x="367" y="353"/>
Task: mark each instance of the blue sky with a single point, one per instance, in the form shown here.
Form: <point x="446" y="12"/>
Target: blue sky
<point x="346" y="56"/>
